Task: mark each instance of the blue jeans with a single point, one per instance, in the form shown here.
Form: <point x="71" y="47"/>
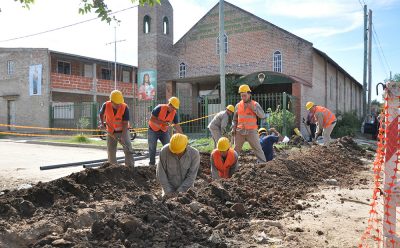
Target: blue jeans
<point x="153" y="137"/>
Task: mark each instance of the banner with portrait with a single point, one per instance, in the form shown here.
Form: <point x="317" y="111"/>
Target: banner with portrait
<point x="35" y="80"/>
<point x="147" y="84"/>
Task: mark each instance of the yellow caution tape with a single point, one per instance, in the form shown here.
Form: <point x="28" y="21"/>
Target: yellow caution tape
<point x="136" y="130"/>
<point x="44" y="135"/>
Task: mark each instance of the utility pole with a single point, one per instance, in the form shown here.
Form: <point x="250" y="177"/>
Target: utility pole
<point x="115" y="55"/>
<point x="364" y="95"/>
<point x="369" y="59"/>
<point x="222" y="53"/>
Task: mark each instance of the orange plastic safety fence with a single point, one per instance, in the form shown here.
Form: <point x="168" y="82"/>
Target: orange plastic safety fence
<point x="381" y="226"/>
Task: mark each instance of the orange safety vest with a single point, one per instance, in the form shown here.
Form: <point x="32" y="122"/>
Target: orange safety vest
<point x="223" y="167"/>
<point x="114" y="122"/>
<point x="328" y="116"/>
<point x="247" y="119"/>
<point x="162" y="116"/>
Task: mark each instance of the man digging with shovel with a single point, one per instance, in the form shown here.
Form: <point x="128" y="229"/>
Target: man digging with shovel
<point x="114" y="116"/>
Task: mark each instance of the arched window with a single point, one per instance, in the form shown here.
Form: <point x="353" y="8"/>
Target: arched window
<point x="165" y="25"/>
<point x="277" y="61"/>
<point x="146" y="24"/>
<point x="182" y="70"/>
<point x="225" y="43"/>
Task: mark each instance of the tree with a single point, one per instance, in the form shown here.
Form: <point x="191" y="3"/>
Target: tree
<point x="98" y="6"/>
<point x="395" y="78"/>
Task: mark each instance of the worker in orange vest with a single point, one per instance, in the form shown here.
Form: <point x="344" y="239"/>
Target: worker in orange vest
<point x="162" y="117"/>
<point x="326" y="121"/>
<point x="244" y="124"/>
<point x="114" y="116"/>
<point x="224" y="160"/>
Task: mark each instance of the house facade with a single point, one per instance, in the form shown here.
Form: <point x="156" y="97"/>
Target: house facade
<point x="34" y="80"/>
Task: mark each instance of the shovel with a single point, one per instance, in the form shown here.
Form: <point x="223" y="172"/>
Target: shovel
<point x="298" y="133"/>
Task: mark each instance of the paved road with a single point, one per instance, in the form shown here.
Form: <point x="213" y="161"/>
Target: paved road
<point x="20" y="162"/>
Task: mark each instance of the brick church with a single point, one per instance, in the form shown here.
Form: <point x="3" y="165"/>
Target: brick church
<point x="252" y="46"/>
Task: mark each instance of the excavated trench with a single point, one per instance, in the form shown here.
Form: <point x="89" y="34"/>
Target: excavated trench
<point x="114" y="206"/>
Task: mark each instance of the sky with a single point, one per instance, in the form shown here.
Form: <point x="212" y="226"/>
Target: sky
<point x="333" y="26"/>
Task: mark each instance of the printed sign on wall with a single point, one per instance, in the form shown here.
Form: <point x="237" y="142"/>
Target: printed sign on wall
<point x="147" y="83"/>
<point x="35" y="80"/>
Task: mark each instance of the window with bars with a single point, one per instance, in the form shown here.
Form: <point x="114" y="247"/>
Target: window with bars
<point x="225" y="44"/>
<point x="126" y="75"/>
<point x="63" y="67"/>
<point x="277" y="61"/>
<point x="182" y="70"/>
<point x="105" y="74"/>
<point x="10" y="67"/>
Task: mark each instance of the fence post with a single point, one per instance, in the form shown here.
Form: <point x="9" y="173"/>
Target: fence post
<point x="206" y="114"/>
<point x="94" y="115"/>
<point x="51" y="116"/>
<point x="284" y="126"/>
<point x="391" y="165"/>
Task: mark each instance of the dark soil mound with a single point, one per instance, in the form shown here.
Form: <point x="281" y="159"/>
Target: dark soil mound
<point x="116" y="206"/>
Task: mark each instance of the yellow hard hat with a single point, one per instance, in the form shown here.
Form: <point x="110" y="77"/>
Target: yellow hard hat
<point x="174" y="101"/>
<point x="244" y="88"/>
<point x="230" y="108"/>
<point x="262" y="130"/>
<point x="116" y="97"/>
<point x="178" y="143"/>
<point x="309" y="105"/>
<point x="223" y="144"/>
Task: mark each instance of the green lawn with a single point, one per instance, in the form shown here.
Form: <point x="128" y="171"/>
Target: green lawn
<point x="136" y="144"/>
<point x="207" y="145"/>
<point x="203" y="144"/>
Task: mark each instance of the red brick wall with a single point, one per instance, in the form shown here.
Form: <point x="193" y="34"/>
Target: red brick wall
<point x="251" y="44"/>
<point x="106" y="86"/>
<point x="72" y="82"/>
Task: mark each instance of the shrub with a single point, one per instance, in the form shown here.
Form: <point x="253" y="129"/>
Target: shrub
<point x="347" y="124"/>
<point x="81" y="138"/>
<point x="275" y="120"/>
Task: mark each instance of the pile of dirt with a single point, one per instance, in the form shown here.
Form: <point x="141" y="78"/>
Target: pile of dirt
<point x="271" y="189"/>
<point x="120" y="207"/>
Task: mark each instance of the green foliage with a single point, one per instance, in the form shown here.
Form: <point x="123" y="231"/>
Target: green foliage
<point x="395" y="77"/>
<point x="25" y="3"/>
<point x="347" y="124"/>
<point x="83" y="122"/>
<point x="276" y="119"/>
<point x="81" y="139"/>
<point x="98" y="6"/>
<point x="230" y="87"/>
<point x="103" y="11"/>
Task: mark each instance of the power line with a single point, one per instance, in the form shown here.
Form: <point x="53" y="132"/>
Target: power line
<point x="380" y="57"/>
<point x="380" y="47"/>
<point x="67" y="26"/>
